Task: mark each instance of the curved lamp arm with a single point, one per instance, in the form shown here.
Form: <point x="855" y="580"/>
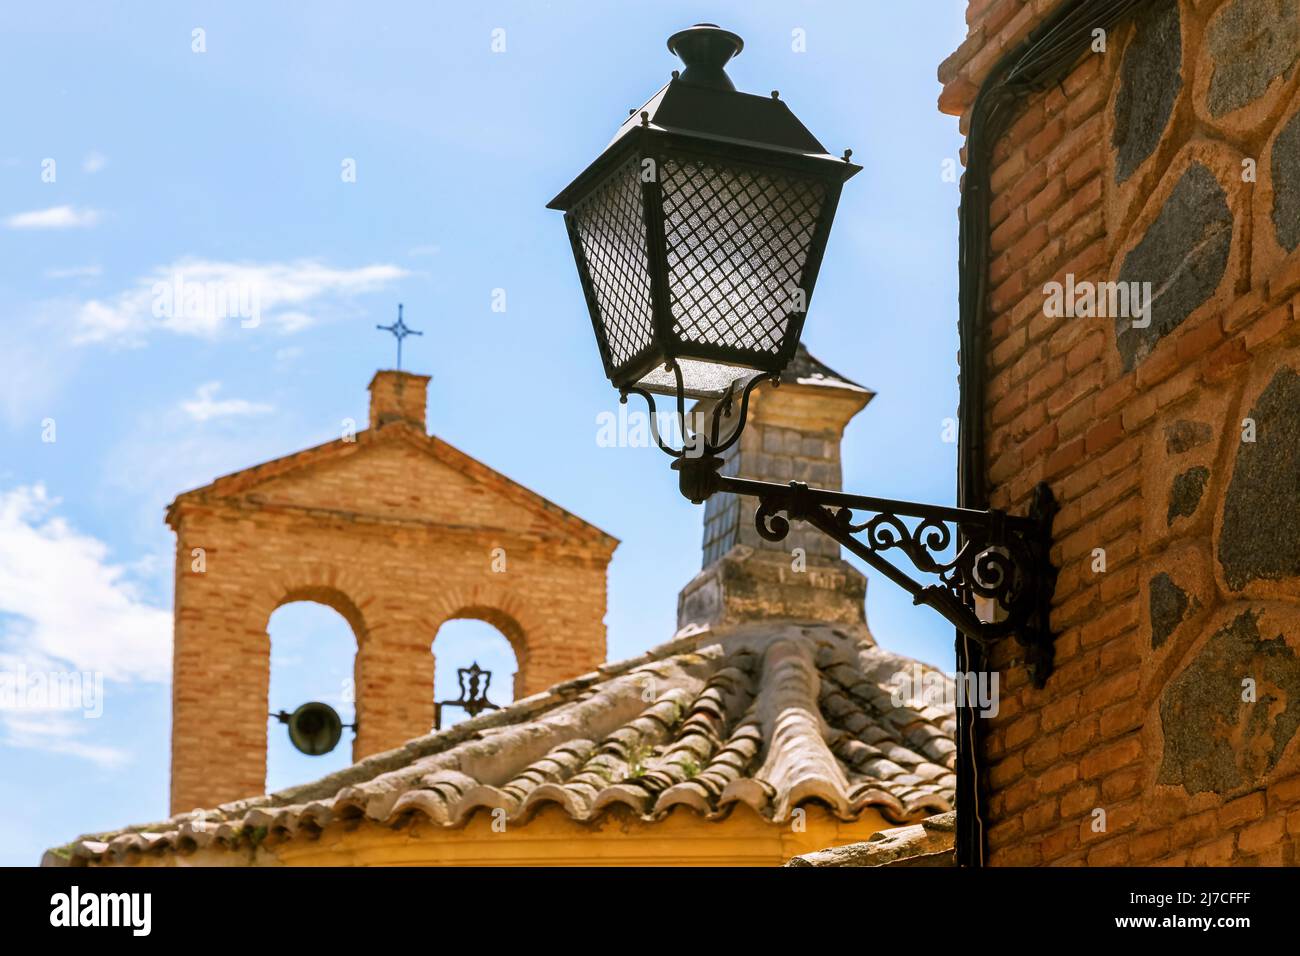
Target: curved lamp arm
<point x="711" y="447"/>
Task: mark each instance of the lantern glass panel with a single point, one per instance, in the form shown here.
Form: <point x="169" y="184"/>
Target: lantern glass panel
<point x="609" y="226"/>
<point x="737" y="240"/>
<point x="700" y="379"/>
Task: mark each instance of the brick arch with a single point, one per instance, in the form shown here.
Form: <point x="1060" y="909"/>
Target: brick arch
<point x="338" y="600"/>
<point x="515" y="612"/>
<point x="509" y="627"/>
<point x="334" y="585"/>
<point x="332" y="598"/>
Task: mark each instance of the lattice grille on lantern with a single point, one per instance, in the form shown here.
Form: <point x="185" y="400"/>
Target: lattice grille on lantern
<point x="737" y="241"/>
<point x="610" y="226"/>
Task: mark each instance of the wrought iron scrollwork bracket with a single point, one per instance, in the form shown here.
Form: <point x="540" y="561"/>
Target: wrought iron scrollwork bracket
<point x="998" y="582"/>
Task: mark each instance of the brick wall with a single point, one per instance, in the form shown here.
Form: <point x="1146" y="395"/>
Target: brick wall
<point x="399" y="533"/>
<point x="1167" y="733"/>
<point x="398" y="396"/>
<point x="792" y="433"/>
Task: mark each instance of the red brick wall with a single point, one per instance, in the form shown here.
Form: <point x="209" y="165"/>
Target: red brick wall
<point x="1143" y="445"/>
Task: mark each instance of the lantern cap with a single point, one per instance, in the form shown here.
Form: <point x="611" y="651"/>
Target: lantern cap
<point x="705" y="49"/>
<point x="705" y="109"/>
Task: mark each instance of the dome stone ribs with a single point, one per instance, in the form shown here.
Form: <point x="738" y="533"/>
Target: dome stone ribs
<point x="709" y="792"/>
<point x="798" y="765"/>
<point x="556" y="767"/>
<point x="126" y="847"/>
<point x="437" y="795"/>
<point x="461" y="797"/>
<point x="316" y="816"/>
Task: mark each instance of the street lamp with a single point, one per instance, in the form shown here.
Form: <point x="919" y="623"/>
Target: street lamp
<point x="699" y="230"/>
<point x="698" y="234"/>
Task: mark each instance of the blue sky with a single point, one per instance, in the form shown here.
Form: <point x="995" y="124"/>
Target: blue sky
<point x="229" y="163"/>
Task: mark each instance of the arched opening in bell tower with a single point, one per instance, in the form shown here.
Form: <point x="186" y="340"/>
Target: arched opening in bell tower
<point x="480" y="637"/>
<point x="313" y="658"/>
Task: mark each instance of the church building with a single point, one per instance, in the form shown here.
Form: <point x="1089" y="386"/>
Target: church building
<point x="768" y="726"/>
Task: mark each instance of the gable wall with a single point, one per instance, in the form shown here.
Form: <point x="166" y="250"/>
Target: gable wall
<point x="399" y="480"/>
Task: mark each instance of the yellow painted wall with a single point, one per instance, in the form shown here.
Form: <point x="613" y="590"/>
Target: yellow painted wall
<point x="553" y="839"/>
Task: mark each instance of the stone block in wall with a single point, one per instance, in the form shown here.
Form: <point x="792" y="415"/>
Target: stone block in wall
<point x="1257" y="532"/>
<point x="1176" y="592"/>
<point x="1150" y="80"/>
<point x="1190" y="242"/>
<point x="1247" y="65"/>
<point x="1226" y="721"/>
<point x="1147" y="110"/>
<point x="1184" y="458"/>
<point x="1276" y="241"/>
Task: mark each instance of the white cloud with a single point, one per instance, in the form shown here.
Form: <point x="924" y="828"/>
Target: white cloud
<point x="56" y="217"/>
<point x="62" y="600"/>
<point x="74" y="272"/>
<point x="94" y="162"/>
<point x="53" y="732"/>
<point x="294" y="321"/>
<point x="205" y="405"/>
<point x="203" y="297"/>
<point x="97" y="322"/>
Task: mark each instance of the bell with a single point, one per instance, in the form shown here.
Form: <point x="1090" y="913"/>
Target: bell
<point x="314" y="728"/>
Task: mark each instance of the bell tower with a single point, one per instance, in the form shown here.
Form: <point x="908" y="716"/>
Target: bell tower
<point x="397" y="531"/>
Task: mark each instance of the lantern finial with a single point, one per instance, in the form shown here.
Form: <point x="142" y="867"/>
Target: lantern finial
<point x="705" y="49"/>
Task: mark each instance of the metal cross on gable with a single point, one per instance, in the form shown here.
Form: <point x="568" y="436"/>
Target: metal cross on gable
<point x="400" y="331"/>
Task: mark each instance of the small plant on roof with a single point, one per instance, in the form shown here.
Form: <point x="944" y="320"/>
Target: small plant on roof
<point x="637" y="755"/>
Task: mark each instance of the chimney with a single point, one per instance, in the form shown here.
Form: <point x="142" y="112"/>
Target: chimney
<point x="793" y="434"/>
<point x="398" y="397"/>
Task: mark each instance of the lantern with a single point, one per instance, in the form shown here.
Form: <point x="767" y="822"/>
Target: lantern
<point x="699" y="231"/>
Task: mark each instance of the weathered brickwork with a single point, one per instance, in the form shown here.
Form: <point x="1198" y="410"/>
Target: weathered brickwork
<point x="1173" y="447"/>
<point x="792" y="433"/>
<point x="398" y="532"/>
